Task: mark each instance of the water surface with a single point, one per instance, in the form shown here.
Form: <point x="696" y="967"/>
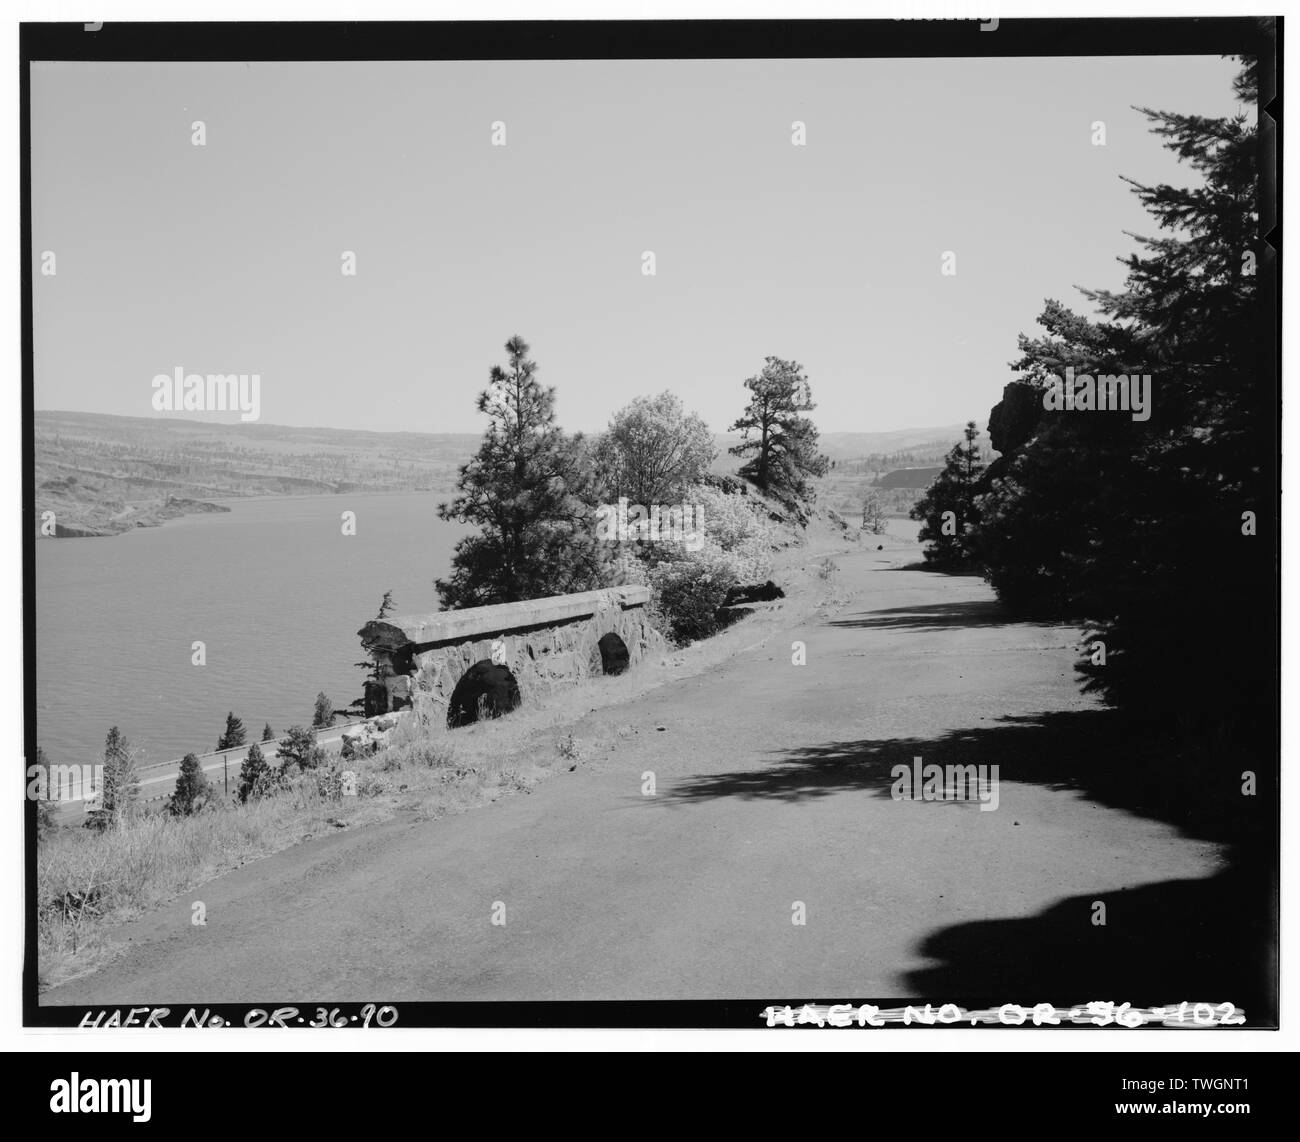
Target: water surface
<point x="273" y="588"/>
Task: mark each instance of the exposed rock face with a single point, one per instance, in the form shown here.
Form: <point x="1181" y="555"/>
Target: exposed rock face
<point x="83" y="510"/>
<point x="543" y="644"/>
<point x="759" y="593"/>
<point x="369" y="737"/>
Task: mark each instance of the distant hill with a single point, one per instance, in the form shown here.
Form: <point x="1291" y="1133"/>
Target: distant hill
<point x="858" y="446"/>
<point x="908" y="478"/>
<point x="851" y="445"/>
<point x="104" y="474"/>
<point x="896" y="466"/>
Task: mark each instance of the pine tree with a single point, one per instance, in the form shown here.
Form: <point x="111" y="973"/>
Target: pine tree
<point x="781" y="443"/>
<point x="530" y="491"/>
<point x="121" y="786"/>
<point x="234" y="735"/>
<point x="948" y="509"/>
<point x="255" y="775"/>
<point x="268" y="734"/>
<point x="299" y="749"/>
<point x="192" y="790"/>
<point x="873" y="513"/>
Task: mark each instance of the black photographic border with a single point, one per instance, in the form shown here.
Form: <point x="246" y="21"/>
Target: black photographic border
<point x="668" y="39"/>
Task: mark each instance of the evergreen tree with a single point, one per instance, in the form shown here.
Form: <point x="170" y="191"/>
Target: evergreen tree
<point x="530" y="492"/>
<point x="1036" y="516"/>
<point x="947" y="508"/>
<point x="46" y="817"/>
<point x="1176" y="563"/>
<point x="192" y="790"/>
<point x="255" y="776"/>
<point x="234" y="735"/>
<point x="781" y="443"/>
<point x="121" y="785"/>
<point x="299" y="749"/>
<point x="324" y="712"/>
<point x="1137" y="527"/>
<point x="268" y="734"/>
<point x="873" y="513"/>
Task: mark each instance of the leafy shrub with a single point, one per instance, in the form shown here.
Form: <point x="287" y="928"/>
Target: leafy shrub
<point x="688" y="587"/>
<point x="688" y="593"/>
<point x="737" y="526"/>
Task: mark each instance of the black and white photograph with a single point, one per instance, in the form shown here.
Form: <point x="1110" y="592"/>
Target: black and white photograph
<point x="625" y="525"/>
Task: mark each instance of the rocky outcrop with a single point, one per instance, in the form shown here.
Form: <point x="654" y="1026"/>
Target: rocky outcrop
<point x="80" y="511"/>
<point x="369" y="736"/>
<point x="758" y="593"/>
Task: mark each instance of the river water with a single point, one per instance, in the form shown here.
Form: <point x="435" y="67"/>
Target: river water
<point x="274" y="590"/>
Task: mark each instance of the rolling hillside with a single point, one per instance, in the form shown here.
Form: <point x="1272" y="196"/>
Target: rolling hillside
<point x="102" y="474"/>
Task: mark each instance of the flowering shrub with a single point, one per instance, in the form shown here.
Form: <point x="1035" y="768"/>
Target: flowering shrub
<point x="736" y="526"/>
<point x="689" y="587"/>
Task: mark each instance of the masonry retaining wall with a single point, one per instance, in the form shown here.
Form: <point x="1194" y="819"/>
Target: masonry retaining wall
<point x="545" y="643"/>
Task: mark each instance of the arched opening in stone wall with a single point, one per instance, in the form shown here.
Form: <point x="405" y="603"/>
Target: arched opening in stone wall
<point x="486" y="690"/>
<point x="614" y="657"/>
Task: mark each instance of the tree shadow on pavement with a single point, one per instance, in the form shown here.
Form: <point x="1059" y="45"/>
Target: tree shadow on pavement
<point x="1207" y="940"/>
<point x="974" y="613"/>
<point x="1194" y="941"/>
<point x="1095" y="752"/>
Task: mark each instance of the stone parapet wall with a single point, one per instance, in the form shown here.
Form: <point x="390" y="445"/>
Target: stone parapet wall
<point x="545" y="643"/>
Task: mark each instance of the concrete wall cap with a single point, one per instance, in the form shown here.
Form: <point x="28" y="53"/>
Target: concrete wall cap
<point x="471" y="622"/>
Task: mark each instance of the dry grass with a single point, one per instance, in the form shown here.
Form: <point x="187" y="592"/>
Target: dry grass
<point x="88" y="881"/>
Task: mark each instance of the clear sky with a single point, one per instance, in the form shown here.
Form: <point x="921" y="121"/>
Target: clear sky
<point x="226" y="258"/>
